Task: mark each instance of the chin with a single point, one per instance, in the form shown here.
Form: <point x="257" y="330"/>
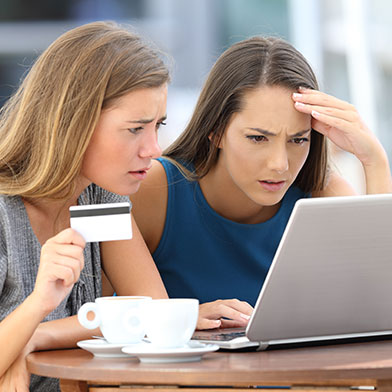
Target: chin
<point x="124" y="191"/>
<point x="133" y="189"/>
<point x="270" y="200"/>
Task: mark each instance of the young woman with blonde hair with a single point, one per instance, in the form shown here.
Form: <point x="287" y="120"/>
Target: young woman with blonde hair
<point x="213" y="209"/>
<point x="81" y="129"/>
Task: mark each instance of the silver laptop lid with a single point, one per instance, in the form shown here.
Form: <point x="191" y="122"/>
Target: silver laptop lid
<point x="331" y="274"/>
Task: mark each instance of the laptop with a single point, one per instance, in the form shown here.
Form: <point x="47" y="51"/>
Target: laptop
<point x="330" y="279"/>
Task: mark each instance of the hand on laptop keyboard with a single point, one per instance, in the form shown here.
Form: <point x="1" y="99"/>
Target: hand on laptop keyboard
<point x="228" y="313"/>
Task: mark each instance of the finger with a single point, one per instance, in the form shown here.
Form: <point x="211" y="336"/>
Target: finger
<point x="314" y="97"/>
<point x="67" y="275"/>
<point x="68" y="236"/>
<point x="241" y="306"/>
<point x="226" y="311"/>
<point x="65" y="269"/>
<point x="204" y="323"/>
<point x="233" y="323"/>
<point x="72" y="264"/>
<point x="310" y="94"/>
<point x="232" y="309"/>
<point x="62" y="274"/>
<point x="320" y="127"/>
<point x="70" y="250"/>
<point x="330" y="121"/>
<point x="54" y="251"/>
<point x="347" y="115"/>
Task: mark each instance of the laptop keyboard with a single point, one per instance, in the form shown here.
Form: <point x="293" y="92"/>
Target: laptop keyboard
<point x="221" y="336"/>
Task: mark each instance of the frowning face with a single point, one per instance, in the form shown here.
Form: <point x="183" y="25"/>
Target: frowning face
<point x="125" y="140"/>
<point x="265" y="145"/>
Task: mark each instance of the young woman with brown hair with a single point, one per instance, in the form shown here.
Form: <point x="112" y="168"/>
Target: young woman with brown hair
<point x="212" y="210"/>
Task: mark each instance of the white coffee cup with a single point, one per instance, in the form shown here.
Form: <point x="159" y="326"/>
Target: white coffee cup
<point x="119" y="318"/>
<point x="170" y="323"/>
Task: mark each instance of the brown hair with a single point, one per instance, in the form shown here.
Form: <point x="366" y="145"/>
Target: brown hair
<point x="245" y="66"/>
<point x="46" y="126"/>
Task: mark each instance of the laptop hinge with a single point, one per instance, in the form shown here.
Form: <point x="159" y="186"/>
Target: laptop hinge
<point x="262" y="346"/>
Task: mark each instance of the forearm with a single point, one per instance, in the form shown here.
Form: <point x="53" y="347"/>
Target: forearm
<point x="130" y="268"/>
<point x="61" y="333"/>
<point x="13" y="338"/>
<point x="378" y="175"/>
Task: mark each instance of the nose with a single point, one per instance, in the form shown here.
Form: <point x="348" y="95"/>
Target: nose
<point x="278" y="159"/>
<point x="150" y="147"/>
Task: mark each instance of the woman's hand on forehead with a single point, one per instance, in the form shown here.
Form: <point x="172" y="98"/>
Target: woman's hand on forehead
<point x="340" y="122"/>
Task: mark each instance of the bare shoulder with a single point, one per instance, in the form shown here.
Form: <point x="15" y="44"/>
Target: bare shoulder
<point x="336" y="186"/>
<point x="149" y="205"/>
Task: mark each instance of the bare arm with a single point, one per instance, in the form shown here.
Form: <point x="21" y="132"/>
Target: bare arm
<point x="13" y="338"/>
<point x="336" y="186"/>
<point x="62" y="333"/>
<point x="132" y="272"/>
<point x="149" y="206"/>
<point x="130" y="267"/>
<point x="149" y="209"/>
<point x="60" y="265"/>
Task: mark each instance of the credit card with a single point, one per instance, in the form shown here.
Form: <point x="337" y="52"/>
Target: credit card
<point x="102" y="222"/>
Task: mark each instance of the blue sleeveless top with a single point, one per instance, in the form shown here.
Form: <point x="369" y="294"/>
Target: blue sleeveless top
<point x="206" y="256"/>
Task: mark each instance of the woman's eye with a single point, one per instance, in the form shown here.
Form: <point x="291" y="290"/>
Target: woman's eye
<point x="159" y="124"/>
<point x="256" y="138"/>
<point x="135" y="130"/>
<point x="300" y="140"/>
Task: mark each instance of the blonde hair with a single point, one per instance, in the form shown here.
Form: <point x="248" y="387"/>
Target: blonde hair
<point x="45" y="127"/>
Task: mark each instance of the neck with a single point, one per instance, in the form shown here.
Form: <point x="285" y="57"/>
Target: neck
<point x="229" y="201"/>
<point x="50" y="216"/>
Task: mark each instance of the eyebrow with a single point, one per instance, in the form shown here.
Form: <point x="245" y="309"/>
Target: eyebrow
<point x="147" y="120"/>
<point x="268" y="133"/>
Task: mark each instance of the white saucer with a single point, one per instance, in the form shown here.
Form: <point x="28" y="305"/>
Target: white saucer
<point x="148" y="353"/>
<point x="102" y="349"/>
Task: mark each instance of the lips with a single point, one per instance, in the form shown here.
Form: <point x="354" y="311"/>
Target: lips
<point x="272" y="186"/>
<point x="138" y="171"/>
<point x="143" y="170"/>
<point x="140" y="174"/>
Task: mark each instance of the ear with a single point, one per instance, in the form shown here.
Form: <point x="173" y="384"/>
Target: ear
<point x="214" y="141"/>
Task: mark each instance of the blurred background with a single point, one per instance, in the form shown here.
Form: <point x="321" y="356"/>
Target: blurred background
<point x="346" y="42"/>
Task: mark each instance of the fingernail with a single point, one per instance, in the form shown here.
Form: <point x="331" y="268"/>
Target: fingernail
<point x="297" y="95"/>
<point x="245" y="316"/>
<point x="299" y="104"/>
<point x="301" y="88"/>
<point x="315" y="114"/>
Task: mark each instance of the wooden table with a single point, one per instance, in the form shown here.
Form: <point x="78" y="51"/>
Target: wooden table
<point x="315" y="368"/>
